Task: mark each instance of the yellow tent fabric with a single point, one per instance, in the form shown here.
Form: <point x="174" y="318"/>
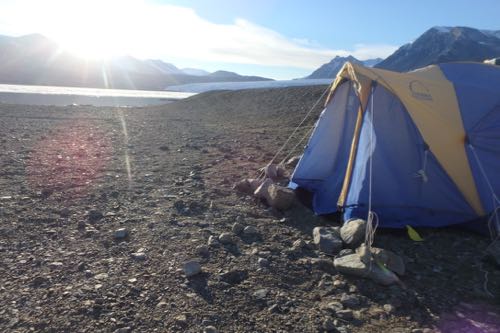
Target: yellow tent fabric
<point x="431" y="102"/>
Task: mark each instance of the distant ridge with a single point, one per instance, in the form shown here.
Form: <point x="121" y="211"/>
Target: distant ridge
<point x="444" y="44"/>
<point x="330" y="70"/>
<point x="36" y="60"/>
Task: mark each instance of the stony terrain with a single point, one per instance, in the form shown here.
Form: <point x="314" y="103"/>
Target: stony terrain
<point x="101" y="207"/>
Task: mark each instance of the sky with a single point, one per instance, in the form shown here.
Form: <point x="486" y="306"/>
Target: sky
<point x="280" y="39"/>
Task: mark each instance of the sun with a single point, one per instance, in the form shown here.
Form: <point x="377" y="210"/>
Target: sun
<point x="95" y="29"/>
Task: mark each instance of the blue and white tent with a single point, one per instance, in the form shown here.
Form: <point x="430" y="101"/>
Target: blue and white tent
<point x="423" y="145"/>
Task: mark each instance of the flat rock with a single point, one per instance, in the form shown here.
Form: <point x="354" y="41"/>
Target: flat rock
<point x="139" y="255"/>
<point x="327" y="240"/>
<point x="250" y="231"/>
<point x="352" y="265"/>
<point x="353" y="232"/>
<point x="191" y="268"/>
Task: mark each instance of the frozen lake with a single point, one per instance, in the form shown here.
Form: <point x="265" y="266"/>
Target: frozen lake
<point x="50" y="95"/>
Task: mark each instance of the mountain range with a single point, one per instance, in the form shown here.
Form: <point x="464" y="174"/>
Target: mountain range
<point x="444" y="44"/>
<point x="36" y="60"/>
<point x="329" y="70"/>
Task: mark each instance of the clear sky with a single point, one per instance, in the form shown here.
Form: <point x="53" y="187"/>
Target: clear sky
<point x="275" y="38"/>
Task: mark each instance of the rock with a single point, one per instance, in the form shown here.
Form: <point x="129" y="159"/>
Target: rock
<point x="101" y="276"/>
<point x="237" y="228"/>
<point x="280" y="197"/>
<point x="293" y="161"/>
<point x="353" y="232"/>
<point x="213" y="241"/>
<point x="271" y="171"/>
<point x="263" y="262"/>
<point x="261" y="293"/>
<point x="94" y="215"/>
<point x="326" y="241"/>
<point x="344" y="252"/>
<point x="191" y="268"/>
<point x="55" y="264"/>
<point x="121" y="233"/>
<point x="226" y="238"/>
<point x="139" y="255"/>
<point x="243" y="186"/>
<point x="298" y="244"/>
<point x="210" y="329"/>
<point x="387" y="258"/>
<point x="389" y="308"/>
<point x="345" y="314"/>
<point x="250" y="231"/>
<point x="262" y="191"/>
<point x="202" y="250"/>
<point x="123" y="330"/>
<point x="328" y="325"/>
<point x="255" y="183"/>
<point x="349" y="301"/>
<point x="352" y="265"/>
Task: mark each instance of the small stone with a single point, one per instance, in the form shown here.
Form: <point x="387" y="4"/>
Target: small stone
<point x="352" y="265"/>
<point x="237" y="228"/>
<point x="325" y="265"/>
<point x="55" y="264"/>
<point x="261" y="293"/>
<point x="181" y="320"/>
<point x="298" y="244"/>
<point x="226" y="238"/>
<point x="344" y="252"/>
<point x="121" y="233"/>
<point x="94" y="215"/>
<point x="389" y="308"/>
<point x="263" y="262"/>
<point x="328" y="325"/>
<point x="191" y="268"/>
<point x="353" y="232"/>
<point x="250" y="231"/>
<point x="202" y="250"/>
<point x="213" y="241"/>
<point x="345" y="314"/>
<point x="210" y="329"/>
<point x="326" y="240"/>
<point x="101" y="276"/>
<point x="243" y="186"/>
<point x="350" y="301"/>
<point x="139" y="255"/>
<point x="234" y="277"/>
<point x="123" y="330"/>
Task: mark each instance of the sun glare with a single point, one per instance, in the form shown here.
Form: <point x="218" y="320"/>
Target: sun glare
<point x="94" y="29"/>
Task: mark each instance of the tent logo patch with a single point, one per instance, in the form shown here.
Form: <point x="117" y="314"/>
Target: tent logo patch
<point x="419" y="91"/>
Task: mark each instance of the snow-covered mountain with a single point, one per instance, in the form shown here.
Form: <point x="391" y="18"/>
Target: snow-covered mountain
<point x="330" y="70"/>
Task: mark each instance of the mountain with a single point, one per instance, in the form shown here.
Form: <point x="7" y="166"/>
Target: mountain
<point x="330" y="70"/>
<point x="444" y="44"/>
<point x="194" y="71"/>
<point x="36" y="60"/>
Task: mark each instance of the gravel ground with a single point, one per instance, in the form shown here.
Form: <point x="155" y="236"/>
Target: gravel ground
<point x="101" y="207"/>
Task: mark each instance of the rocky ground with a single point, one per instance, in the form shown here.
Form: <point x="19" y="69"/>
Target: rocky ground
<point x="101" y="207"/>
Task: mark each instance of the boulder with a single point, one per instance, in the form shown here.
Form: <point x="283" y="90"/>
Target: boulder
<point x="226" y="238"/>
<point x="327" y="240"/>
<point x="353" y="232"/>
<point x="387" y="258"/>
<point x="237" y="228"/>
<point x="280" y="197"/>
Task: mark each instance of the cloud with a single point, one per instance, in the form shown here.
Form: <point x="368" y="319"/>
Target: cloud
<point x="153" y="30"/>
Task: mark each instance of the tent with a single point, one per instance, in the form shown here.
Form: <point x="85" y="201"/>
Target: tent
<point x="420" y="148"/>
